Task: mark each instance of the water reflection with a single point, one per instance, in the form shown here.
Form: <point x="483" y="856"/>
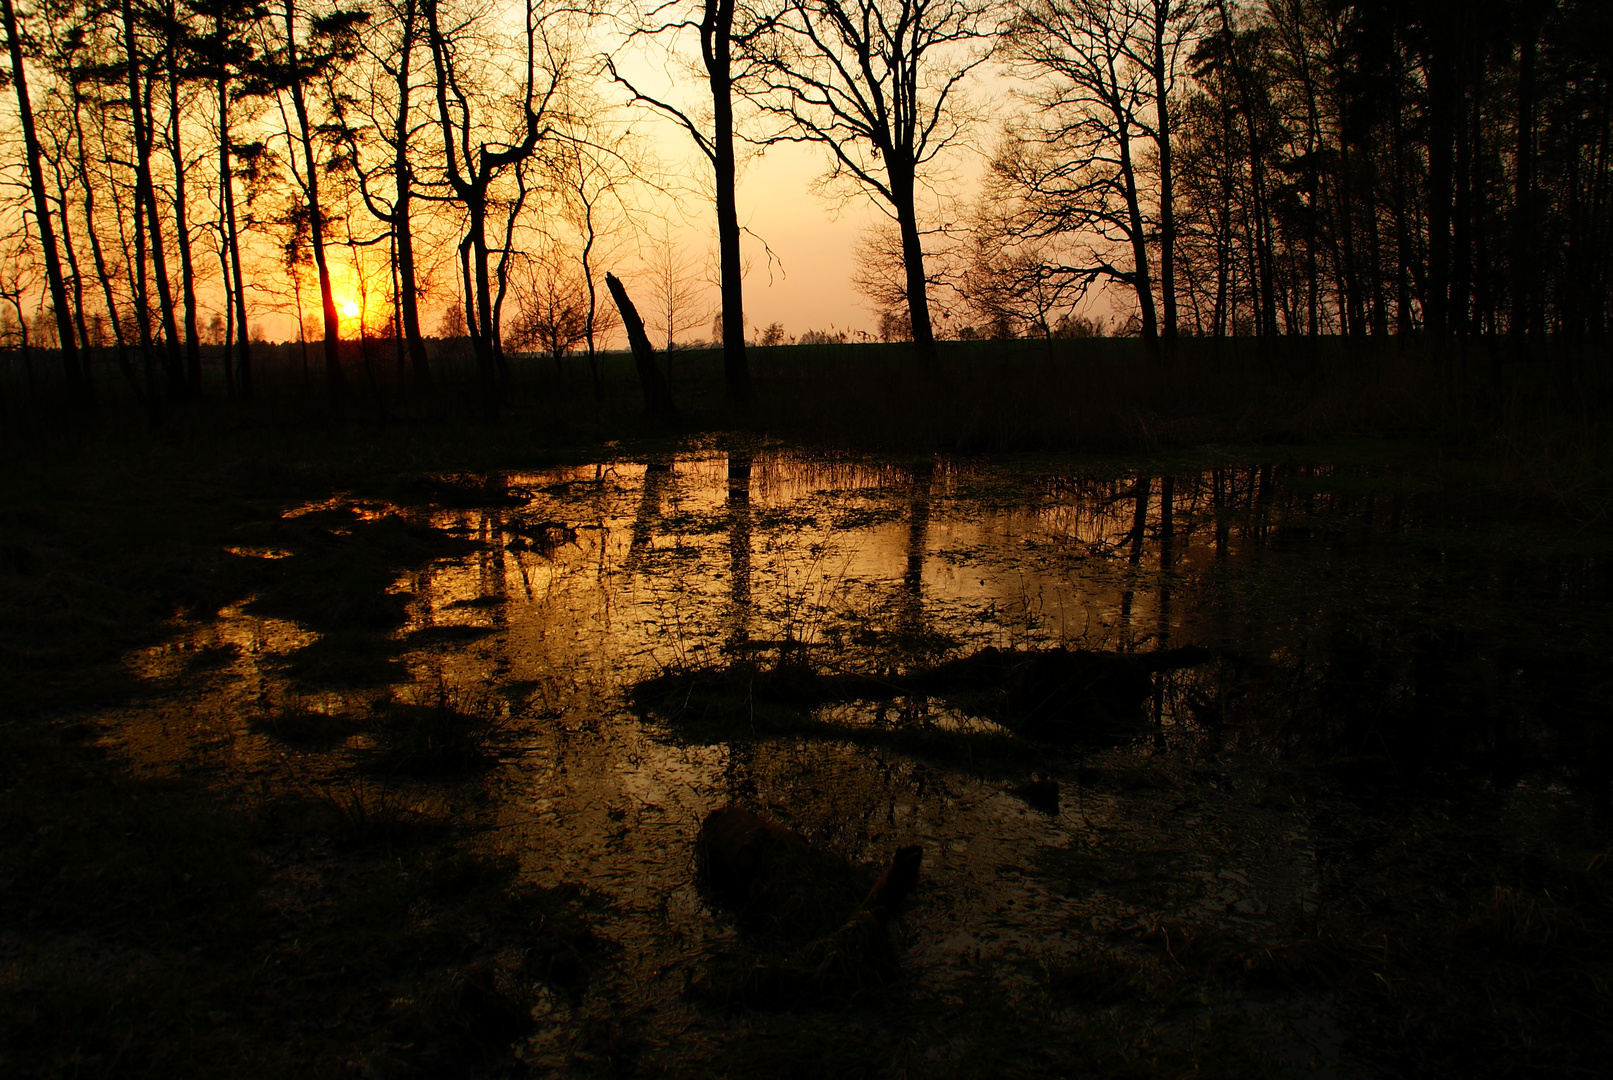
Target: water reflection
<point x="1355" y="624"/>
<point x="1302" y="572"/>
<point x="739" y="552"/>
<point x="657" y="476"/>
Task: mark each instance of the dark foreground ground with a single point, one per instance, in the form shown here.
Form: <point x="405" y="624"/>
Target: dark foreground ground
<point x="328" y="871"/>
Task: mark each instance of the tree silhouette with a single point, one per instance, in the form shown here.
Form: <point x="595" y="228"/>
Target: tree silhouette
<point x="474" y="156"/>
<point x="876" y="82"/>
<point x="721" y="37"/>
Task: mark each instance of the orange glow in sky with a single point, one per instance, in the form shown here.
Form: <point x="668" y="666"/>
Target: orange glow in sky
<point x="354" y="317"/>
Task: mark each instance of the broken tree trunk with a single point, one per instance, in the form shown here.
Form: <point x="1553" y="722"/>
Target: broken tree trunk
<point x="657" y="397"/>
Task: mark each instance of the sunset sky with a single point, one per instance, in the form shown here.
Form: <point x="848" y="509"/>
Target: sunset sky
<point x="811" y="234"/>
<point x="806" y="285"/>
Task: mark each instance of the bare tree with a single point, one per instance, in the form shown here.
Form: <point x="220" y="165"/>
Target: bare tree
<point x="552" y="306"/>
<point x="330" y="39"/>
<point x="676" y="287"/>
<point x="388" y="105"/>
<point x="36" y="183"/>
<point x="591" y="172"/>
<point x="57" y="151"/>
<point x="1010" y="279"/>
<point x="720" y="37"/>
<point x="80" y="66"/>
<point x="225" y="52"/>
<point x="173" y="66"/>
<point x="1107" y="75"/>
<point x="1169" y="31"/>
<point x="879" y="273"/>
<point x="148" y="233"/>
<point x="876" y="82"/>
<point x="476" y="153"/>
<point x="17" y="269"/>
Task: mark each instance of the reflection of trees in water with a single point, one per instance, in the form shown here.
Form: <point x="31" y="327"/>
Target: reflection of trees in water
<point x="495" y="583"/>
<point x="1162" y="631"/>
<point x="911" y="598"/>
<point x="1139" y="519"/>
<point x="1167" y="521"/>
<point x="739" y="551"/>
<point x="923" y="474"/>
<point x="490" y="563"/>
<point x="1167" y="545"/>
<point x="739" y="765"/>
<point x="1218" y="483"/>
<point x="1139" y="526"/>
<point x="657" y="476"/>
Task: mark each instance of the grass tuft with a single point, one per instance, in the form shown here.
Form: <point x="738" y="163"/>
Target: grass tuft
<point x="438" y="730"/>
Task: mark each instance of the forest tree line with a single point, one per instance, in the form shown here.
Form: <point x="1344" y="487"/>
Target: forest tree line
<point x="1280" y="168"/>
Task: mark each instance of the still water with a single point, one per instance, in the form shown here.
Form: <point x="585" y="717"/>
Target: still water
<point x="1361" y="629"/>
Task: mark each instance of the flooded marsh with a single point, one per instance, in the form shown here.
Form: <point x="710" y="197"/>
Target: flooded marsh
<point x="1253" y="768"/>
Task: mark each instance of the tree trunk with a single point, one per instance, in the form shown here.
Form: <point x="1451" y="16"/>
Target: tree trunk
<point x="1313" y="189"/>
<point x="1140" y="278"/>
<point x="1478" y="214"/>
<point x="593" y="302"/>
<point x="105" y="278"/>
<point x="145" y="209"/>
<point x="81" y="166"/>
<point x="409" y="302"/>
<point x="1403" y="322"/>
<point x="334" y="381"/>
<point x="657" y="397"/>
<point x="1437" y="291"/>
<point x="502" y="273"/>
<point x="227" y="346"/>
<point x="87" y="356"/>
<point x="232" y="237"/>
<point x="1350" y="301"/>
<point x="716" y="42"/>
<point x="1224" y="240"/>
<point x="142" y="296"/>
<point x="1265" y="267"/>
<point x="482" y="321"/>
<point x="1167" y="214"/>
<point x="1599" y="283"/>
<point x="902" y="184"/>
<point x="187" y="269"/>
<point x="402" y="205"/>
<point x="1460" y="312"/>
<point x="1379" y="315"/>
<point x="1523" y="193"/>
<point x="1260" y="268"/>
<point x="36" y="181"/>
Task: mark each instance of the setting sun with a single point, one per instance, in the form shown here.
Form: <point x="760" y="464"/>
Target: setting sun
<point x="348" y="308"/>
